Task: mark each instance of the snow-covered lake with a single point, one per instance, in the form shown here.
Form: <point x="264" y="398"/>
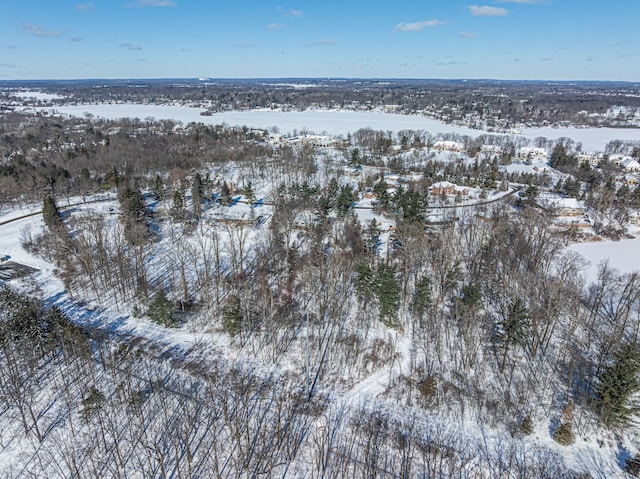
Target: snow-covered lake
<point x="624" y="255"/>
<point x="334" y="122"/>
<point x="331" y="122"/>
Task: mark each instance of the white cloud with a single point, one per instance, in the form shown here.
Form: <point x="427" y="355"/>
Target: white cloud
<point x="290" y="12"/>
<point x="417" y="26"/>
<point x="244" y="45"/>
<point x="327" y="42"/>
<point x="131" y="46"/>
<point x="153" y="3"/>
<point x="41" y="32"/>
<point x="468" y="34"/>
<point x="273" y="25"/>
<point x="487" y="11"/>
<point x="532" y="2"/>
<point x="76" y="39"/>
<point x="84" y="7"/>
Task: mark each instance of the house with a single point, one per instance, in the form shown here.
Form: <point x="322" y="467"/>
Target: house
<point x="563" y="206"/>
<point x="631" y="179"/>
<point x="448" y="146"/>
<point x="491" y="149"/>
<point x="593" y="159"/>
<point x="532" y="154"/>
<point x="617" y="159"/>
<point x="443" y="188"/>
<point x="630" y="164"/>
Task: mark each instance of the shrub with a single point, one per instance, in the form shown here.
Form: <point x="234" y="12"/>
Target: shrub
<point x="564" y="435"/>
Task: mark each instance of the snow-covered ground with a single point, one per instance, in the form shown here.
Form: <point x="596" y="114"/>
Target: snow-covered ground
<point x="37" y="95"/>
<point x="624" y="255"/>
<point x="592" y="139"/>
<point x="336" y="123"/>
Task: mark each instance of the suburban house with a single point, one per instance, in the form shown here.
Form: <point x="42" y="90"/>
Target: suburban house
<point x="491" y="149"/>
<point x="443" y="188"/>
<point x="562" y="206"/>
<point x="630" y="164"/>
<point x="617" y="159"/>
<point x="531" y="154"/>
<point x="593" y="159"/>
<point x="448" y="146"/>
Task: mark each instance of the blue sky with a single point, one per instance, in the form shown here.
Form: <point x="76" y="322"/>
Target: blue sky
<point x="501" y="39"/>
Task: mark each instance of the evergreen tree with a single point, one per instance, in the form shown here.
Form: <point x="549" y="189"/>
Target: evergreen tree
<point x="161" y="310"/>
<point x="197" y="190"/>
<point x="112" y="178"/>
<point x="157" y="188"/>
<point x="617" y="384"/>
<point x="421" y="296"/>
<point x="51" y="214"/>
<point x="344" y="201"/>
<point x="365" y="282"/>
<point x="388" y="292"/>
<point x="513" y="329"/>
<point x="232" y="316"/>
<point x="356" y="160"/>
<point x="249" y="194"/>
<point x="177" y="206"/>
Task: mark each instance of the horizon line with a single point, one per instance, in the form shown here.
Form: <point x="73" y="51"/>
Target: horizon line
<point x="319" y="78"/>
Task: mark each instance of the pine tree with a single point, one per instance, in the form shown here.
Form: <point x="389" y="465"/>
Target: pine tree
<point x="197" y="190"/>
<point x="513" y="329"/>
<point x="232" y="316"/>
<point x="161" y="310"/>
<point x="344" y="201"/>
<point x="617" y="384"/>
<point x="51" y="214"/>
<point x="388" y="292"/>
<point x="111" y="178"/>
<point x="249" y="194"/>
<point x="421" y="296"/>
<point x="157" y="188"/>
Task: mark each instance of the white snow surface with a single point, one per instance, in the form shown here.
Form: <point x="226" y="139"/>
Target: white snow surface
<point x="336" y="122"/>
<point x="622" y="255"/>
<point x="332" y="122"/>
<point x="592" y="139"/>
<point x="38" y="95"/>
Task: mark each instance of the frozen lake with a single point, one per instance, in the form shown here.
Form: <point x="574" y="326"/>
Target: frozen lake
<point x="335" y="123"/>
<point x="624" y="255"/>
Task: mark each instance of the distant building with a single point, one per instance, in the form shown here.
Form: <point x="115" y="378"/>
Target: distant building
<point x="562" y="206"/>
<point x="448" y="146"/>
<point x="593" y="159"/>
<point x="491" y="149"/>
<point x="532" y="154"/>
<point x="630" y="164"/>
<point x="443" y="188"/>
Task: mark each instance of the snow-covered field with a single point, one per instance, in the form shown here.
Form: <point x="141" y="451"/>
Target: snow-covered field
<point x="334" y="122"/>
<point x="37" y="95"/>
